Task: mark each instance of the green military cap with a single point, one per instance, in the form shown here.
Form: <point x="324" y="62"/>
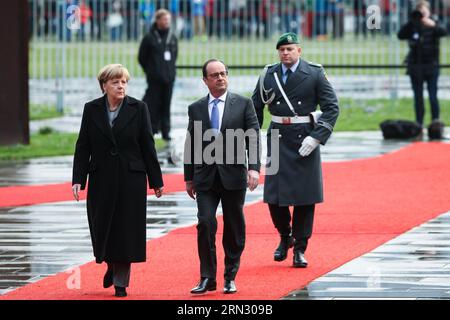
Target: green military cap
<point x="287" y="38"/>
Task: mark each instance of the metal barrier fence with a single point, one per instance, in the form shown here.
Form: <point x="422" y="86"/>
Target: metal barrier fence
<point x="349" y="37"/>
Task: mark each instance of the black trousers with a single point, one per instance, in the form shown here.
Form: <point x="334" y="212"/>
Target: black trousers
<point x="302" y="223"/>
<point x="419" y="75"/>
<point x="121" y="273"/>
<point x="233" y="229"/>
<point x="158" y="97"/>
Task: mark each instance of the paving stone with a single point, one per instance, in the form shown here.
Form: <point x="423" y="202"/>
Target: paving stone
<point x="395" y="270"/>
<point x="39" y="240"/>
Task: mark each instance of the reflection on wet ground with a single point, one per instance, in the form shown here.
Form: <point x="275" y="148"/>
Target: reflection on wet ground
<point x="415" y="265"/>
<point x="41" y="240"/>
<point x="341" y="146"/>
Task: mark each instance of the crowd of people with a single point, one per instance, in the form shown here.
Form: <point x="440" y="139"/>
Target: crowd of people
<point x="116" y="20"/>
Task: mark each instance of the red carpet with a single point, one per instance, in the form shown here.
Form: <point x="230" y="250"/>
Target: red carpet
<point x="368" y="202"/>
<point x="28" y="195"/>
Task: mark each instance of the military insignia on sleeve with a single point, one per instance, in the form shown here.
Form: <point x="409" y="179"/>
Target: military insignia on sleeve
<point x="325" y="75"/>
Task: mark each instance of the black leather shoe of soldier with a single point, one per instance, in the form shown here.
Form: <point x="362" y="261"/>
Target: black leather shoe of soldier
<point x="299" y="260"/>
<point x="281" y="252"/>
<point x="205" y="284"/>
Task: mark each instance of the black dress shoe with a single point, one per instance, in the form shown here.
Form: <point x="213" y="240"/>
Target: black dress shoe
<point x="205" y="284"/>
<point x="281" y="252"/>
<point x="108" y="278"/>
<point x="229" y="287"/>
<point x="299" y="260"/>
<point x="120" y="292"/>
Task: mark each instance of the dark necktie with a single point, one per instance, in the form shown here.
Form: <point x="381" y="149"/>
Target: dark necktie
<point x="287" y="74"/>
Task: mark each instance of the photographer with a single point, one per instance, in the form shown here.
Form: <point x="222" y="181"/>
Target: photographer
<point x="423" y="35"/>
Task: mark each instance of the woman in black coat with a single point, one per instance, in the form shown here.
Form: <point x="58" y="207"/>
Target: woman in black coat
<point x="115" y="147"/>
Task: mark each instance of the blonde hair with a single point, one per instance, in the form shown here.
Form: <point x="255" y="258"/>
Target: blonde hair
<point x="422" y="3"/>
<point x="161" y="13"/>
<point x="112" y="71"/>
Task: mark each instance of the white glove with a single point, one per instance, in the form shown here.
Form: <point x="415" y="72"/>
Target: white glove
<point x="308" y="145"/>
<point x="316" y="115"/>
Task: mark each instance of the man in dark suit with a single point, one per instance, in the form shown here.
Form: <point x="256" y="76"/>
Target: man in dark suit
<point x="223" y="130"/>
<point x="292" y="89"/>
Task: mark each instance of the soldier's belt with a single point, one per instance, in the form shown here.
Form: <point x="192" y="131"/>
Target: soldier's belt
<point x="289" y="120"/>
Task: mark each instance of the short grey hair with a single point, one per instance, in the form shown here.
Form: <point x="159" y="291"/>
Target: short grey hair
<point x="112" y="71"/>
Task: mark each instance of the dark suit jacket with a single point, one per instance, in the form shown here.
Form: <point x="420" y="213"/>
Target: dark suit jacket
<point x="238" y="154"/>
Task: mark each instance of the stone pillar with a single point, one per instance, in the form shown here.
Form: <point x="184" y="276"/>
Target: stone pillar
<point x="14" y="36"/>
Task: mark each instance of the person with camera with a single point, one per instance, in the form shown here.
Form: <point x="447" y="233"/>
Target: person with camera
<point x="423" y="35"/>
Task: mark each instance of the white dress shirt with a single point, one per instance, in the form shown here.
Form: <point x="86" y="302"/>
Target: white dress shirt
<point x="220" y="105"/>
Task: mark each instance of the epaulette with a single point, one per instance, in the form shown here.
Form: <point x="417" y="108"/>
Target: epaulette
<point x="318" y="65"/>
<point x="270" y="65"/>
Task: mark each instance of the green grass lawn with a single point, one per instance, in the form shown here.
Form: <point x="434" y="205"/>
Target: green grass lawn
<point x="355" y="115"/>
<point x="40" y="112"/>
<point x="48" y="145"/>
<point x="41" y="145"/>
<point x="85" y="59"/>
<point x="359" y="115"/>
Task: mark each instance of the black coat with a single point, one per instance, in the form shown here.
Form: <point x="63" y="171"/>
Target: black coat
<point x="423" y="43"/>
<point x="151" y="56"/>
<point x="239" y="114"/>
<point x="298" y="180"/>
<point x="118" y="162"/>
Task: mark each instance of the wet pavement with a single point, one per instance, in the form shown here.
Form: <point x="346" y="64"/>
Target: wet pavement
<point x="341" y="146"/>
<point x="413" y="266"/>
<point x="41" y="240"/>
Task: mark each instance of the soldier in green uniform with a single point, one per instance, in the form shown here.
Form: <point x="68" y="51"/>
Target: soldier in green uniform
<point x="292" y="89"/>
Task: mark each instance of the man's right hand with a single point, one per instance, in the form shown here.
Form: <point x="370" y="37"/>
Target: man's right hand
<point x="428" y="22"/>
<point x="190" y="189"/>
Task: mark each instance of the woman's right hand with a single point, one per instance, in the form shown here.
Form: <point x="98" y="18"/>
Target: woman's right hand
<point x="76" y="191"/>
